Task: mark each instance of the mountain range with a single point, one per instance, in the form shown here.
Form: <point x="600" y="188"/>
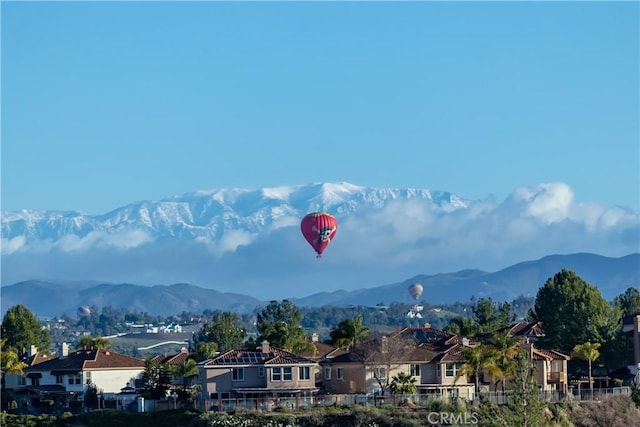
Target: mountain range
<point x="47" y="299"/>
<point x="248" y="241"/>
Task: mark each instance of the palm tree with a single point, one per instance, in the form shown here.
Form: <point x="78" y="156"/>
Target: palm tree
<point x="506" y="349"/>
<point x="403" y="384"/>
<point x="476" y="360"/>
<point x="349" y="332"/>
<point x="185" y="371"/>
<point x="589" y="352"/>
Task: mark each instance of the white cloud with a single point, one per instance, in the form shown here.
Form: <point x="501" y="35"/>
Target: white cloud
<point x="125" y="239"/>
<point x="9" y="246"/>
<point x="372" y="247"/>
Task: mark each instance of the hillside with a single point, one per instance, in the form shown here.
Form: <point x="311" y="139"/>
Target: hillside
<point x="47" y="299"/>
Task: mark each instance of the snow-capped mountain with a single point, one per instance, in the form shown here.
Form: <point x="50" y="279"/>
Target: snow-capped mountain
<point x="210" y="214"/>
<point x="249" y="240"/>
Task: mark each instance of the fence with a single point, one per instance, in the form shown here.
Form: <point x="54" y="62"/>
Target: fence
<point x="418" y="400"/>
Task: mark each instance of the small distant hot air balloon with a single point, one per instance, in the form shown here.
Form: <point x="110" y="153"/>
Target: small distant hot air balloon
<point x="319" y="228"/>
<point x="83" y="311"/>
<point x="415" y="291"/>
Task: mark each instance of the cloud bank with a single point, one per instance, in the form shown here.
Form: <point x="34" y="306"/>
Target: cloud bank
<point x="372" y="247"/>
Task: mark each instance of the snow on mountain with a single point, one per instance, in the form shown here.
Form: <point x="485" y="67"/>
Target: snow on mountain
<point x="211" y="214"/>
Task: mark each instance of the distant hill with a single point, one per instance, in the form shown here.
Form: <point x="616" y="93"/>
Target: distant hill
<point x="611" y="275"/>
<point x="47" y="299"/>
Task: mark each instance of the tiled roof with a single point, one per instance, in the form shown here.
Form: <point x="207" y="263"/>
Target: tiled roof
<point x="527" y="329"/>
<point x="275" y="356"/>
<point x="322" y="351"/>
<point x="173" y="359"/>
<point x="539" y="354"/>
<point x="83" y="360"/>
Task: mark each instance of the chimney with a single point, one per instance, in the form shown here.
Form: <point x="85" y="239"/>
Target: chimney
<point x="64" y="350"/>
<point x="314" y="337"/>
<point x="33" y="350"/>
<point x="265" y="347"/>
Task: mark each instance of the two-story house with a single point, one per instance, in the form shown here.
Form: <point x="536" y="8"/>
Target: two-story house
<point x="70" y="373"/>
<point x="265" y="372"/>
<point x="430" y="355"/>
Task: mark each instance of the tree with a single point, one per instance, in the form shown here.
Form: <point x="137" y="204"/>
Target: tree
<point x="185" y="371"/>
<point x="589" y="352"/>
<point x="224" y="330"/>
<point x="10" y="361"/>
<point x="523" y="406"/>
<point x="280" y="324"/>
<point x="572" y="312"/>
<point x="403" y="384"/>
<point x="156" y="379"/>
<point x="506" y="348"/>
<point x="477" y="359"/>
<point x="205" y="350"/>
<point x="21" y="330"/>
<point x="628" y="302"/>
<point x="462" y="325"/>
<point x="99" y="343"/>
<point x="349" y="332"/>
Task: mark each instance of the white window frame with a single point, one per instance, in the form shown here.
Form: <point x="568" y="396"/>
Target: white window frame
<point x="340" y="374"/>
<point x="304" y="373"/>
<point x="287" y="373"/>
<point x="276" y="374"/>
<point x="414" y="370"/>
<point x="450" y="369"/>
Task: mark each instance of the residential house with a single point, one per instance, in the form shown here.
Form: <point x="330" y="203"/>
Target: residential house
<point x="176" y="360"/>
<point x="263" y="372"/>
<point x="319" y="354"/>
<point x="32" y="357"/>
<point x="69" y="374"/>
<point x="551" y="368"/>
<point x="529" y="331"/>
<point x="432" y="356"/>
<point x="631" y="329"/>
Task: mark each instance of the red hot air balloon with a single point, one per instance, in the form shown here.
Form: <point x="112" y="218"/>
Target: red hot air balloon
<point x="319" y="228"/>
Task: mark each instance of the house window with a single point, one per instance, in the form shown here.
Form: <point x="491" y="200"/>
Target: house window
<point x="282" y="374"/>
<point x="77" y="379"/>
<point x="237" y="374"/>
<point x="340" y="373"/>
<point x="287" y="373"/>
<point x="304" y="373"/>
<point x="59" y="379"/>
<point x="327" y="372"/>
<point x="261" y="371"/>
<point x="379" y="372"/>
<point x="450" y="369"/>
<point x="276" y="374"/>
<point x="87" y="377"/>
<point x="414" y="370"/>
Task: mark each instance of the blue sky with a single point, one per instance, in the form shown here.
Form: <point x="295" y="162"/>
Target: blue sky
<point x="108" y="103"/>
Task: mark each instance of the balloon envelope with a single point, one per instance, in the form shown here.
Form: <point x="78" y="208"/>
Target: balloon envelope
<point x="319" y="228"/>
<point x="415" y="291"/>
<point x="83" y="311"/>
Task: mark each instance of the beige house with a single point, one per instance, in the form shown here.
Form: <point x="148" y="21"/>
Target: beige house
<point x="260" y="373"/>
<point x="430" y="355"/>
<point x="551" y="368"/>
<point x="631" y="329"/>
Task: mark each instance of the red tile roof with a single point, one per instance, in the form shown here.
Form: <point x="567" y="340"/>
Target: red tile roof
<point x="83" y="360"/>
